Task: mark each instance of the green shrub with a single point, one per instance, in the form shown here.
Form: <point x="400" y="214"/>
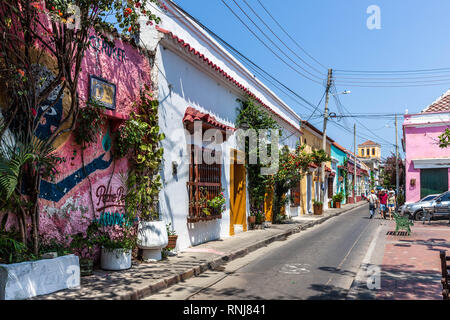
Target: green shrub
<point x="13" y="250"/>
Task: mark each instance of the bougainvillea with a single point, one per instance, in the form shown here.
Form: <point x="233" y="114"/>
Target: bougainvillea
<point x="292" y="166"/>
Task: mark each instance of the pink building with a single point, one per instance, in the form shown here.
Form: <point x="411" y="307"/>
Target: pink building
<point x="79" y="195"/>
<point x="427" y="165"/>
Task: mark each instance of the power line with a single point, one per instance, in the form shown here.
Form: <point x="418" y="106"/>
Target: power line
<point x="315" y="109"/>
<point x="362" y="124"/>
<point x="293" y="40"/>
<point x="270" y="29"/>
<point x="244" y="58"/>
<point x="420" y="71"/>
<point x="384" y="78"/>
<point x="270" y="49"/>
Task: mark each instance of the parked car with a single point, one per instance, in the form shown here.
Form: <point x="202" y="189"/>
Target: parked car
<point x="439" y="208"/>
<point x="415" y="210"/>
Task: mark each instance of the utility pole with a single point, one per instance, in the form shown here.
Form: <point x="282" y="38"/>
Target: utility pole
<point x="354" y="171"/>
<point x="397" y="180"/>
<point x="324" y="132"/>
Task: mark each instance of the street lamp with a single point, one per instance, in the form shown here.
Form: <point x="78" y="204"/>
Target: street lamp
<point x="343" y="92"/>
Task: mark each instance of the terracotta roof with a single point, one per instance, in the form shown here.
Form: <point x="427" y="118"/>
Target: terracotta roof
<point x="338" y="146"/>
<point x="192" y="115"/>
<point x="193" y="51"/>
<point x="368" y="143"/>
<point x="313" y="165"/>
<point x="442" y="104"/>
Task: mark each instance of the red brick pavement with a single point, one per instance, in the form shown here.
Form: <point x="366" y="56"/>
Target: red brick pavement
<point x="411" y="264"/>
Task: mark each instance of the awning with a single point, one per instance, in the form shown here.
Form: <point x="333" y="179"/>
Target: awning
<point x="192" y="115"/>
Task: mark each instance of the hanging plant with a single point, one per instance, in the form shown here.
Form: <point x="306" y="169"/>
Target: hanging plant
<point x="139" y="138"/>
<point x="89" y="123"/>
<point x="257" y="119"/>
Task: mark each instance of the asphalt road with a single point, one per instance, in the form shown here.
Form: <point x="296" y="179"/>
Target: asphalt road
<point x="319" y="263"/>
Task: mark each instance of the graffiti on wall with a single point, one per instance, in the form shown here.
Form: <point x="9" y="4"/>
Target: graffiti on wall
<point x="104" y="47"/>
<point x="108" y="198"/>
<point x="56" y="191"/>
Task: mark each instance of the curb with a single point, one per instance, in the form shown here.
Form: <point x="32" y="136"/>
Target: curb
<point x="216" y="262"/>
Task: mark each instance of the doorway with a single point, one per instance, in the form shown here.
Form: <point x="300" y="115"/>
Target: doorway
<point x="238" y="210"/>
<point x="308" y="193"/>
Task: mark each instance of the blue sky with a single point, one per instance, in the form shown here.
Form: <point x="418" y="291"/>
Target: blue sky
<point x="413" y="36"/>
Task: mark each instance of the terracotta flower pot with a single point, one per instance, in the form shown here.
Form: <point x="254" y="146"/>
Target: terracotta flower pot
<point x="337" y="205"/>
<point x="172" y="242"/>
<point x="252" y="219"/>
<point x="318" y="209"/>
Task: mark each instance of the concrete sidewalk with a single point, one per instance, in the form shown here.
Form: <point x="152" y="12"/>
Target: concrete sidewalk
<point x="144" y="279"/>
<point x="409" y="265"/>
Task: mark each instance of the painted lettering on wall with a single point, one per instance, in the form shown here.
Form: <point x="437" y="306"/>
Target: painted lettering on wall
<point x="103" y="47"/>
<point x="110" y="219"/>
<point x="107" y="198"/>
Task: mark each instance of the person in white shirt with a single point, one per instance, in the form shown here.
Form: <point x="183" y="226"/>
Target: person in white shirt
<point x="373" y="201"/>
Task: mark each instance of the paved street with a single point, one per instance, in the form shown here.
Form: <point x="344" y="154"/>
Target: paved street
<point x="320" y="263"/>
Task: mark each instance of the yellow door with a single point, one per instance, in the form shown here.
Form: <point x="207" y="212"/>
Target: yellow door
<point x="237" y="195"/>
<point x="268" y="203"/>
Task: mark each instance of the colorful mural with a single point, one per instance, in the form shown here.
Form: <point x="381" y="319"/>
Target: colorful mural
<point x="81" y="194"/>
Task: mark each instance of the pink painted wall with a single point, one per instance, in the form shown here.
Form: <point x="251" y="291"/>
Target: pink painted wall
<point x="421" y="143"/>
<point x="77" y="208"/>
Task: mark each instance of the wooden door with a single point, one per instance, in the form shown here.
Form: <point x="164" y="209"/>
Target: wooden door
<point x="268" y="203"/>
<point x="238" y="211"/>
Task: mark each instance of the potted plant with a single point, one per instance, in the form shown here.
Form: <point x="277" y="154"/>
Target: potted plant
<point x="318" y="207"/>
<point x="172" y="237"/>
<point x="337" y="199"/>
<point x="217" y="204"/>
<point x="251" y="219"/>
<point x="85" y="246"/>
<point x="260" y="218"/>
<point x="117" y="243"/>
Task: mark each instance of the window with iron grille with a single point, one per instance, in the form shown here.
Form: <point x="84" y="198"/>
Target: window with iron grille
<point x="204" y="183"/>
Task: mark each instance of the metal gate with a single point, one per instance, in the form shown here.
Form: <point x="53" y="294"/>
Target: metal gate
<point x="433" y="181"/>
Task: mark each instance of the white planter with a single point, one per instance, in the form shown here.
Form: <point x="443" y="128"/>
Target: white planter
<point x="115" y="259"/>
<point x="152" y="237"/>
<point x="29" y="279"/>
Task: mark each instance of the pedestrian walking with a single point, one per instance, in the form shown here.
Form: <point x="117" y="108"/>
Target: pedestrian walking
<point x="391" y="203"/>
<point x="373" y="200"/>
<point x="383" y="202"/>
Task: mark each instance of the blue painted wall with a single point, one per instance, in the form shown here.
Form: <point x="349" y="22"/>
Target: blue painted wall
<point x="340" y="156"/>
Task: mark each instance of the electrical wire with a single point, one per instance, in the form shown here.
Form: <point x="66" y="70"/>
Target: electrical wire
<point x="293" y="40"/>
<point x="270" y="49"/>
<point x="244" y="59"/>
<point x="362" y="124"/>
<point x="270" y="29"/>
<point x="420" y="71"/>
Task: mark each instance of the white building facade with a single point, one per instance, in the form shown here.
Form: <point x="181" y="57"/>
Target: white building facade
<point x="199" y="84"/>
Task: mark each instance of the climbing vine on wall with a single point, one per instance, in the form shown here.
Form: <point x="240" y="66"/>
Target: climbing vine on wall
<point x="255" y="118"/>
<point x="139" y="138"/>
<point x="89" y="123"/>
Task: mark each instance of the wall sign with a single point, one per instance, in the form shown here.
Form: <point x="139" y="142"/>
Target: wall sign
<point x="103" y="92"/>
<point x="102" y="46"/>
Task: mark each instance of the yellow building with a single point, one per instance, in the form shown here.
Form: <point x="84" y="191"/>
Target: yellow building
<point x="302" y="197"/>
<point x="369" y="149"/>
<point x="310" y="184"/>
